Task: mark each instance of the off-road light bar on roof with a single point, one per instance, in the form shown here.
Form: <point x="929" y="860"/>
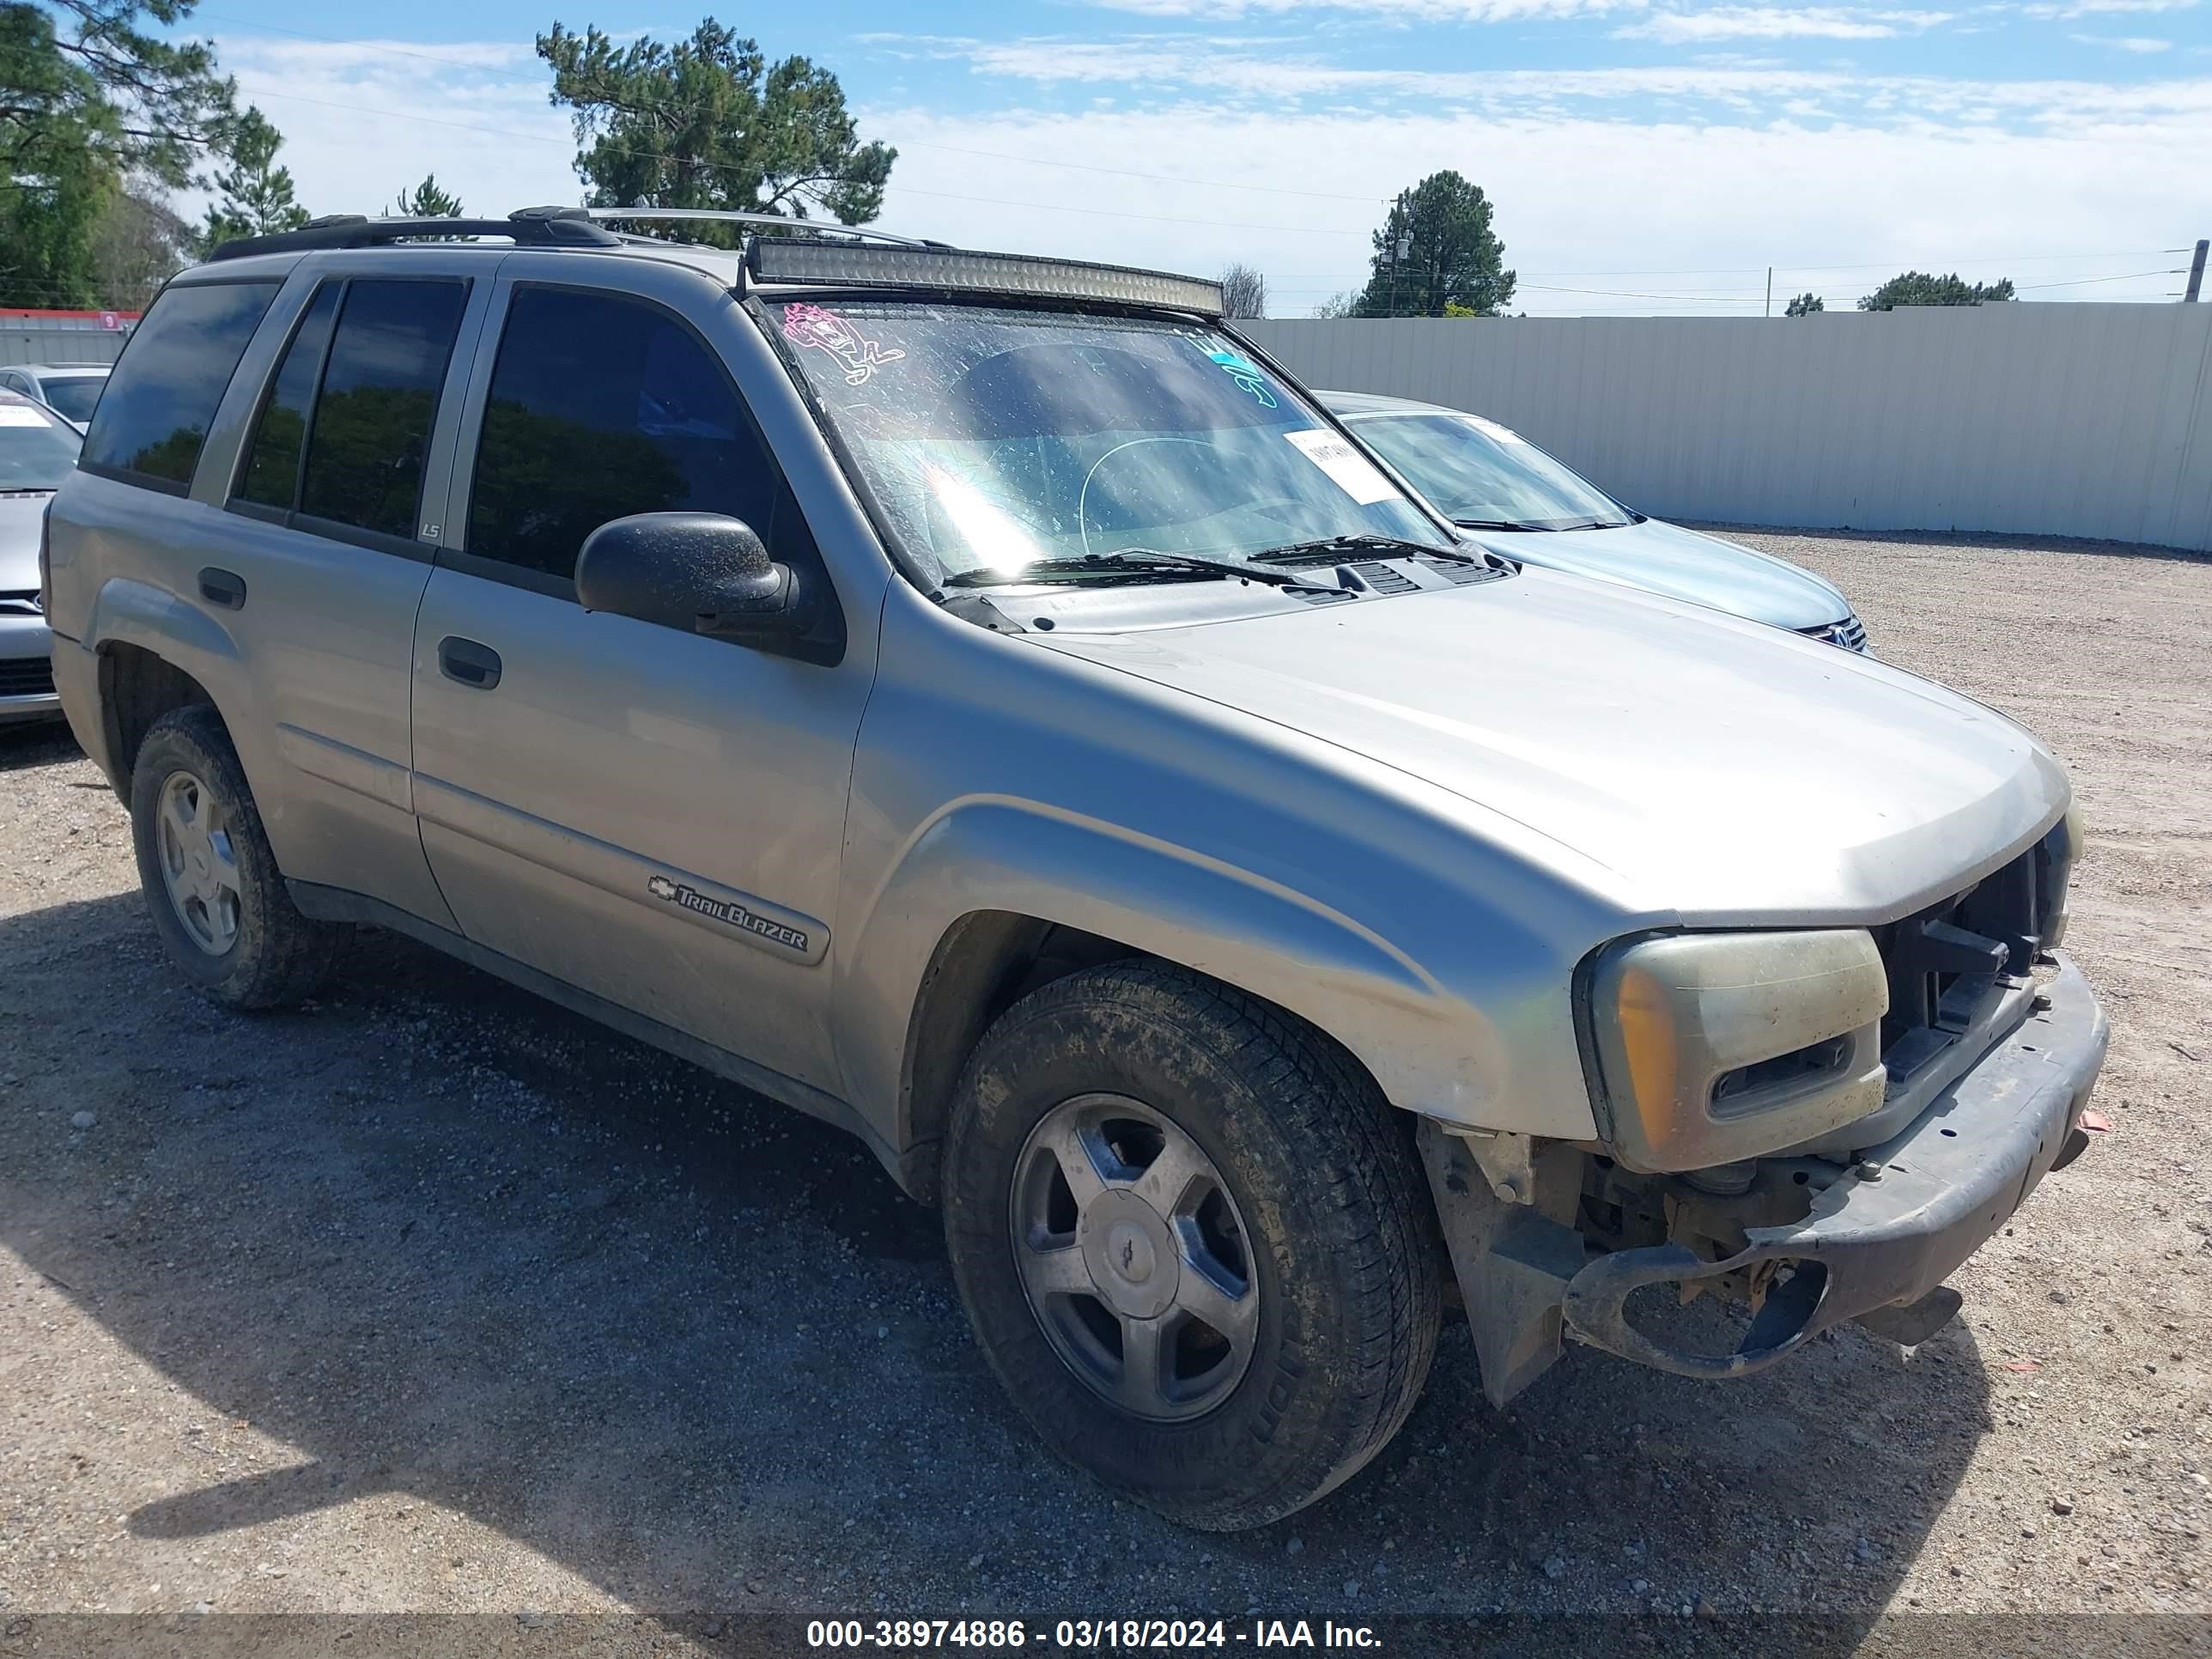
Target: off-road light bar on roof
<point x="783" y="259"/>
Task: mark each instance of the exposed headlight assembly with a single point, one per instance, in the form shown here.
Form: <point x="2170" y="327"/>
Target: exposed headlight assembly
<point x="1713" y="1047"/>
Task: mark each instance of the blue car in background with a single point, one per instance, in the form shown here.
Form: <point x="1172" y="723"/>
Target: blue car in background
<point x="1514" y="498"/>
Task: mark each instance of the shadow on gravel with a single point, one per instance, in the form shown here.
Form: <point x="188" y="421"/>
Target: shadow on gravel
<point x="456" y="1248"/>
<point x="37" y="743"/>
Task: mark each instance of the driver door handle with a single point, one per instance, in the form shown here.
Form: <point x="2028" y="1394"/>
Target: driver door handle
<point x="467" y="663"/>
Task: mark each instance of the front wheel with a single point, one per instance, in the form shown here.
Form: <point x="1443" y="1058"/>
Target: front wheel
<point x="1194" y="1241"/>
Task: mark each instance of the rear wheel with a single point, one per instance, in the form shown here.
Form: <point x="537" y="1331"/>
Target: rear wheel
<point x="1194" y="1242"/>
<point x="211" y="881"/>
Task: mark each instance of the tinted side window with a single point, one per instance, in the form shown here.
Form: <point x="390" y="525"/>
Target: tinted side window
<point x="602" y="406"/>
<point x="272" y="459"/>
<point x="153" y="415"/>
<point x="371" y="427"/>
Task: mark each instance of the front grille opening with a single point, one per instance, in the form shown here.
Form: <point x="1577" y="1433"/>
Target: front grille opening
<point x="1947" y="963"/>
<point x="1815" y="1059"/>
<point x="27" y="677"/>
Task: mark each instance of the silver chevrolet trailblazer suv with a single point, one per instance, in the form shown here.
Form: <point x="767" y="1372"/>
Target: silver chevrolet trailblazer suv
<point x="983" y="702"/>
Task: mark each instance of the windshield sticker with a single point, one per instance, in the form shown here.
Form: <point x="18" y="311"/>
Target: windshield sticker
<point x="19" y="414"/>
<point x="1246" y="374"/>
<point x="1491" y="430"/>
<point x="825" y="331"/>
<point x="1351" y="471"/>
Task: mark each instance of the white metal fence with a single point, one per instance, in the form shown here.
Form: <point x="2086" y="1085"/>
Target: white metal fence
<point x="2075" y="420"/>
<point x="36" y="339"/>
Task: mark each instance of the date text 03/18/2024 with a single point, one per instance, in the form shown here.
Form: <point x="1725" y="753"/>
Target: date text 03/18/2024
<point x="1086" y="1635"/>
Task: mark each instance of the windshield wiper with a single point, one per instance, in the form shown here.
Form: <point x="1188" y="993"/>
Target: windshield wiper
<point x="1397" y="546"/>
<point x="1125" y="561"/>
<point x="1503" y="524"/>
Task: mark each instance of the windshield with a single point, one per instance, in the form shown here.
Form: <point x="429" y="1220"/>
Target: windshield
<point x="1479" y="472"/>
<point x="72" y="396"/>
<point x="991" y="438"/>
<point x="36" y="450"/>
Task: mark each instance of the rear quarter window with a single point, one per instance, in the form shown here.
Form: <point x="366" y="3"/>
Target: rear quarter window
<point x="155" y="412"/>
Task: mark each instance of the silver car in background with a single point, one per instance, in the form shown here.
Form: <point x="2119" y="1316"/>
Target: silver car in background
<point x="1534" y="509"/>
<point x="37" y="450"/>
<point x="70" y="390"/>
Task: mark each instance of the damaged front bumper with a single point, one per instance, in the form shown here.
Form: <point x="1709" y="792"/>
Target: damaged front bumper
<point x="1878" y="1243"/>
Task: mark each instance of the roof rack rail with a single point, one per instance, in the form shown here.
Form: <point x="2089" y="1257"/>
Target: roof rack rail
<point x="540" y="227"/>
<point x="782" y="222"/>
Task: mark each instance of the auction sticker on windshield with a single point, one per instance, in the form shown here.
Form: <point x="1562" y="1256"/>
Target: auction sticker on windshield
<point x="1351" y="471"/>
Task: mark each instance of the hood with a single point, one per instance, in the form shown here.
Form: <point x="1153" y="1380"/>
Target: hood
<point x="1682" y="564"/>
<point x="1728" y="772"/>
<point x="20" y="518"/>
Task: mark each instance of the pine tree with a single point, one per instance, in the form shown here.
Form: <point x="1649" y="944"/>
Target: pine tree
<point x="255" y="193"/>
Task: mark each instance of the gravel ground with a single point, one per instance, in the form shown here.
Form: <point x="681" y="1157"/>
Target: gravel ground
<point x="434" y="1299"/>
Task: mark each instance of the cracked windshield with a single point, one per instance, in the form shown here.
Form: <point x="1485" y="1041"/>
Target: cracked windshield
<point x="995" y="438"/>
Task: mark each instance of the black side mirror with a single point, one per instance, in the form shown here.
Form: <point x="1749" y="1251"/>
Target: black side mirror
<point x="703" y="572"/>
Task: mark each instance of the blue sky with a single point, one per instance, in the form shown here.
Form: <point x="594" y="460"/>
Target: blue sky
<point x="1645" y="155"/>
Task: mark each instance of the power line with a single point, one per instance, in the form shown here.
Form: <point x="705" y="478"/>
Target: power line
<point x="2082" y="281"/>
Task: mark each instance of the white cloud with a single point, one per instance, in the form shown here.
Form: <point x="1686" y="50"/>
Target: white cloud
<point x="1579" y="191"/>
<point x="362" y="119"/>
<point x="2144" y="44"/>
<point x="2099" y="7"/>
<point x="1778" y="23"/>
<point x="1244" y="74"/>
<point x="1462" y="11"/>
<point x="1731" y="164"/>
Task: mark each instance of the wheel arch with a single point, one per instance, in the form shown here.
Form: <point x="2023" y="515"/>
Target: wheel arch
<point x="156" y="652"/>
<point x="1034" y="896"/>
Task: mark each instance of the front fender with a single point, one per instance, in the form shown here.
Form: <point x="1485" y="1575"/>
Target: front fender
<point x="1427" y="1043"/>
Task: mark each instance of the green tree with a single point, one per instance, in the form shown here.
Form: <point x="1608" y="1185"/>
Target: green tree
<point x="89" y="97"/>
<point x="1804" y="306"/>
<point x="82" y="76"/>
<point x="711" y="123"/>
<point x="138" y="242"/>
<point x="255" y="193"/>
<point x="427" y="201"/>
<point x="1345" y="302"/>
<point x="1435" y="248"/>
<point x="1917" y="287"/>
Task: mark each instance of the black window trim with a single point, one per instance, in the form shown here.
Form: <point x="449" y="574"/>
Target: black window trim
<point x="464" y="563"/>
<point x="309" y="524"/>
<point x="232" y="500"/>
<point x="459" y="559"/>
<point x="126" y="475"/>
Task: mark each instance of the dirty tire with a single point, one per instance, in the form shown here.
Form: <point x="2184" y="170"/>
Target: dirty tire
<point x="277" y="956"/>
<point x="1322" y="1168"/>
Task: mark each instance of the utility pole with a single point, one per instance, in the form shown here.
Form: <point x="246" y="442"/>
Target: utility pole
<point x="1770" y="290"/>
<point x="1400" y="248"/>
<point x="2196" y="271"/>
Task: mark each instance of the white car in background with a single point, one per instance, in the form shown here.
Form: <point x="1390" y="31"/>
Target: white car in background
<point x="1517" y="499"/>
<point x="70" y="390"/>
<point x="37" y="450"/>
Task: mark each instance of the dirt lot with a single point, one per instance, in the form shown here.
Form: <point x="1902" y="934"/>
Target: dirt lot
<point x="433" y="1299"/>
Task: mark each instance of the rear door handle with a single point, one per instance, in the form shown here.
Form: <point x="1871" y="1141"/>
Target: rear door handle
<point x="474" y="666"/>
<point x="224" y="588"/>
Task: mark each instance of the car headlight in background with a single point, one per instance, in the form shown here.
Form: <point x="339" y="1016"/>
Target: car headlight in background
<point x="1713" y="1047"/>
